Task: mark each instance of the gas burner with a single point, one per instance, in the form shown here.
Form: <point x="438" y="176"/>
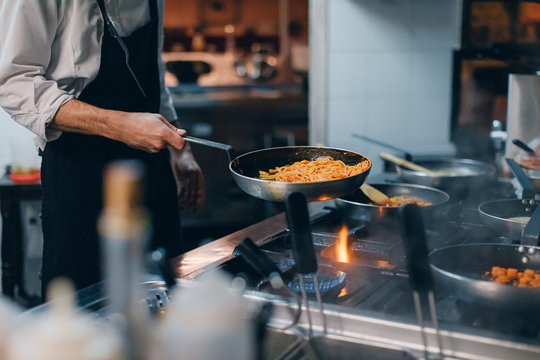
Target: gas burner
<point x="331" y="281"/>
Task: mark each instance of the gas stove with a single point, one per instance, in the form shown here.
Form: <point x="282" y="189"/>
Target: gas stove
<point x="374" y="278"/>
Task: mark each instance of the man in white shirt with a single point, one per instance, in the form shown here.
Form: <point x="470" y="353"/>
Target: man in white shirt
<point x="86" y="76"/>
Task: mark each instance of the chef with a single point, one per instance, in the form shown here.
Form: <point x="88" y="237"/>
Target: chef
<point x="86" y="76"/>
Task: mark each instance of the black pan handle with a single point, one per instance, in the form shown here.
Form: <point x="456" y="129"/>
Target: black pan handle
<point x="300" y="227"/>
<point x="531" y="233"/>
<point x="406" y="154"/>
<point x="255" y="257"/>
<point x="159" y="258"/>
<point x="528" y="188"/>
<point x="228" y="148"/>
<point x="414" y="241"/>
<point x="520" y="144"/>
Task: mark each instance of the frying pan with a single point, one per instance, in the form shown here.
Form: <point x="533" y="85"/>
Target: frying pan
<point x="472" y="172"/>
<point x="496" y="214"/>
<point x="357" y="206"/>
<point x="460" y="267"/>
<point x="245" y="171"/>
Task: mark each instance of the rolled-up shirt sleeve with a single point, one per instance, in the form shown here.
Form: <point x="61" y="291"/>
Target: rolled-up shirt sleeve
<point x="27" y="32"/>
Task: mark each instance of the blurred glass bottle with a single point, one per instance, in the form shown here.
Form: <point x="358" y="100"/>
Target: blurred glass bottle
<point x="124" y="231"/>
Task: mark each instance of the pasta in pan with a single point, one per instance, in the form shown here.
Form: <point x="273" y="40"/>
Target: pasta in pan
<point x="323" y="169"/>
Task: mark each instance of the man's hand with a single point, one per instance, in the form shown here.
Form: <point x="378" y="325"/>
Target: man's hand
<point x="150" y="132"/>
<point x="189" y="179"/>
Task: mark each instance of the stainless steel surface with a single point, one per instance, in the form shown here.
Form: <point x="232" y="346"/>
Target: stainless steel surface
<point x="523" y="110"/>
<point x="373" y="316"/>
<point x="496" y="214"/>
<point x="245" y="170"/>
<point x="357" y="206"/>
<point x="474" y="173"/>
<point x="381" y="335"/>
<point x="463" y="277"/>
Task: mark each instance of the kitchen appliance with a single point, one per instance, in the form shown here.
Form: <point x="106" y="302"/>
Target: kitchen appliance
<point x="376" y="279"/>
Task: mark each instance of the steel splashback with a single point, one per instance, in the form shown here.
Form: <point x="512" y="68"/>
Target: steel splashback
<point x="523" y="119"/>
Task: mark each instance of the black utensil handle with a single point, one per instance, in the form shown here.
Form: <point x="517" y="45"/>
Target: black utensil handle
<point x="255" y="257"/>
<point x="268" y="265"/>
<point x="414" y="241"/>
<point x="406" y="154"/>
<point x="529" y="191"/>
<point x="228" y="148"/>
<point x="520" y="144"/>
<point x="300" y="227"/>
<point x="531" y="233"/>
<point x="159" y="258"/>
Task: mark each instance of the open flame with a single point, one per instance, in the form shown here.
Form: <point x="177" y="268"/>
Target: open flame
<point x="342" y="245"/>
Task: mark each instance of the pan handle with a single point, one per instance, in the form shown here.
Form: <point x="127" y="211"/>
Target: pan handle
<point x="520" y="144"/>
<point x="228" y="148"/>
<point x="414" y="241"/>
<point x="256" y="258"/>
<point x="528" y="188"/>
<point x="406" y="154"/>
<point x="302" y="243"/>
<point x="531" y="233"/>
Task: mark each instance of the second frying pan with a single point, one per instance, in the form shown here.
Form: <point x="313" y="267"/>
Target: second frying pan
<point x="460" y="268"/>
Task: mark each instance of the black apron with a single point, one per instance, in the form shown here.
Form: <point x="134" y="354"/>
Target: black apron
<point x="72" y="166"/>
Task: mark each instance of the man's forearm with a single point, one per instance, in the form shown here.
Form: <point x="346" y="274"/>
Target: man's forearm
<point x="145" y="131"/>
<point x="77" y="116"/>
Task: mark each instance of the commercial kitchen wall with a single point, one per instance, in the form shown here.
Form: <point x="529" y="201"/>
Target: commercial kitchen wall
<point x="389" y="72"/>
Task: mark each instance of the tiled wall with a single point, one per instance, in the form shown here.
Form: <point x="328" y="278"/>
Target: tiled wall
<point x="389" y="73"/>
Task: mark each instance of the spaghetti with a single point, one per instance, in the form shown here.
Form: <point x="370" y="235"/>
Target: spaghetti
<point x="323" y="169"/>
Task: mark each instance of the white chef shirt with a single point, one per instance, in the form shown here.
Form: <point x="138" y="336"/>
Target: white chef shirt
<point x="50" y="50"/>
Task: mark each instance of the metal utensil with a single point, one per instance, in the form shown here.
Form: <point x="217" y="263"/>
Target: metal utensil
<point x="414" y="240"/>
<point x="304" y="252"/>
<point x="245" y="170"/>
